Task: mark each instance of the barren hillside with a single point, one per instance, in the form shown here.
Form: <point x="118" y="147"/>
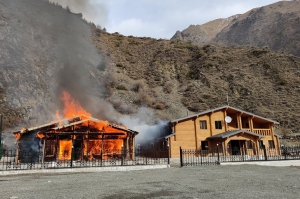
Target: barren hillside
<point x="43" y="49"/>
<point x="275" y="26"/>
<point x="175" y="76"/>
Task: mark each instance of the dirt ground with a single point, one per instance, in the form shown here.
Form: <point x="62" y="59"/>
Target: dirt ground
<point x="243" y="181"/>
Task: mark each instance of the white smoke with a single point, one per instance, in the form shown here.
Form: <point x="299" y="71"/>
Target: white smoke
<point x="140" y="123"/>
<point x="92" y="11"/>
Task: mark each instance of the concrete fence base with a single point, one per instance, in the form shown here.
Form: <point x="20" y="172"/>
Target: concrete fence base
<point x="84" y="170"/>
<point x="282" y="163"/>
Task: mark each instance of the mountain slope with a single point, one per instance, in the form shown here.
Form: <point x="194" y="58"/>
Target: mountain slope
<point x="275" y="26"/>
<point x="42" y="48"/>
<point x="205" y="33"/>
<point x="182" y="76"/>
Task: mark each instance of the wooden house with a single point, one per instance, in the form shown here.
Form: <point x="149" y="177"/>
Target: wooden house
<point x="76" y="138"/>
<point x="225" y="127"/>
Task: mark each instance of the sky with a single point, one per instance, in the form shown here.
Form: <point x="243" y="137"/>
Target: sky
<point x="160" y="18"/>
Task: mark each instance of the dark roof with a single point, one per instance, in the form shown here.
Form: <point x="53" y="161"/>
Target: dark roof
<point x="280" y="136"/>
<point x="69" y="122"/>
<point x="220" y="108"/>
<point x="167" y="136"/>
<point x="231" y="133"/>
<point x="170" y="135"/>
<point x="53" y="123"/>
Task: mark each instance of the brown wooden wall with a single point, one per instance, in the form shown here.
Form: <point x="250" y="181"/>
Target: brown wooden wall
<point x="189" y="135"/>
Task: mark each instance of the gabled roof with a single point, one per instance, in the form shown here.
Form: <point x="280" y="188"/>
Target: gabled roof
<point x="166" y="136"/>
<point x="220" y="108"/>
<point x="231" y="133"/>
<point x="67" y="122"/>
<point x="48" y="125"/>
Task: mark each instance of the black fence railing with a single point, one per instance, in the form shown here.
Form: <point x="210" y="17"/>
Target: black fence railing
<point x="11" y="160"/>
<point x="191" y="157"/>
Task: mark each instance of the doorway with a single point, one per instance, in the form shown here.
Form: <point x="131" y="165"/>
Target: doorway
<point x="235" y="147"/>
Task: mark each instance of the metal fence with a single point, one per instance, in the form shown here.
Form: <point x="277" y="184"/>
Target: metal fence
<point x="27" y="160"/>
<point x="191" y="157"/>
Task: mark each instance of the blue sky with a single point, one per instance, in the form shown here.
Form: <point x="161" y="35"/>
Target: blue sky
<point x="158" y="19"/>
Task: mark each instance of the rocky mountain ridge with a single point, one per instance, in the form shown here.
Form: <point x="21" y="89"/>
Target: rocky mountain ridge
<point x="275" y="26"/>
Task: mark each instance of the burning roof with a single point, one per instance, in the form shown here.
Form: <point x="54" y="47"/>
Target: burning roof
<point x="82" y="123"/>
<point x="77" y="133"/>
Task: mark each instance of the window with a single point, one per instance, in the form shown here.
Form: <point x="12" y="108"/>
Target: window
<point x="218" y="124"/>
<point x="271" y="144"/>
<point x="204" y="145"/>
<point x="203" y="124"/>
<point x="249" y="144"/>
<point x="261" y="144"/>
<point x="247" y="125"/>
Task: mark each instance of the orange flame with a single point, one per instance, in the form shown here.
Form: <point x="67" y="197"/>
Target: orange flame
<point x="18" y="136"/>
<point x="92" y="147"/>
<point x="65" y="149"/>
<point x="39" y="135"/>
<point x="72" y="107"/>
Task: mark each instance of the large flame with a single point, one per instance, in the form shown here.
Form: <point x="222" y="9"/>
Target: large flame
<point x="71" y="107"/>
<point x="91" y="147"/>
<point x="65" y="150"/>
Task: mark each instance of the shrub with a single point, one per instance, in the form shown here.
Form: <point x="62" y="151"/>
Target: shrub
<point x="223" y="62"/>
<point x="168" y="88"/>
<point x="157" y="79"/>
<point x="119" y="65"/>
<point x="121" y="87"/>
<point x="159" y="105"/>
<point x="136" y="87"/>
<point x="142" y="99"/>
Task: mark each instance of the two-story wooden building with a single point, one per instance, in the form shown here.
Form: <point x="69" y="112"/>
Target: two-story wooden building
<point x="226" y="127"/>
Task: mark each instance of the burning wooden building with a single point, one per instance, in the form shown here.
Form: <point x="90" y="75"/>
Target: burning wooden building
<point x="76" y="138"/>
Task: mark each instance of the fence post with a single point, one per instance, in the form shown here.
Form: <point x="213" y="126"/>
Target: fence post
<point x="243" y="154"/>
<point x="72" y="153"/>
<point x="181" y="160"/>
<point x="168" y="154"/>
<point x="285" y="152"/>
<point x="218" y="154"/>
<point x="265" y="152"/>
<point x="123" y="155"/>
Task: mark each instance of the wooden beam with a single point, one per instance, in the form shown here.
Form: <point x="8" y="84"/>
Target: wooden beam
<point x="226" y="124"/>
<point x="210" y="122"/>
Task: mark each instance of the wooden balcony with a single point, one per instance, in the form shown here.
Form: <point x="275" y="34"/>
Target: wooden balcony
<point x="262" y="131"/>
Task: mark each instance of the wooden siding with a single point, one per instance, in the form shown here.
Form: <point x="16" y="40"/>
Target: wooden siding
<point x="189" y="135"/>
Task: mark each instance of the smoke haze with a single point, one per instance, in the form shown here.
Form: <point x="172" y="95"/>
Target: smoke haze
<point x="90" y="11"/>
<point x="140" y="123"/>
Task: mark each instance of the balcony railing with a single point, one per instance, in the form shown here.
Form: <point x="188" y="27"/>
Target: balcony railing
<point x="257" y="131"/>
<point x="262" y="131"/>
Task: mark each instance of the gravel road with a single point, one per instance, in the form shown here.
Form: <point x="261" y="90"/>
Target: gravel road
<point x="242" y="181"/>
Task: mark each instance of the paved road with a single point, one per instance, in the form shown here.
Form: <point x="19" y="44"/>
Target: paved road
<point x="243" y="181"/>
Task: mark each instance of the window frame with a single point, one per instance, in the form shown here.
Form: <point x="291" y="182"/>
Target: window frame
<point x="204" y="143"/>
<point x="203" y="122"/>
<point x="271" y="144"/>
<point x="218" y="124"/>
